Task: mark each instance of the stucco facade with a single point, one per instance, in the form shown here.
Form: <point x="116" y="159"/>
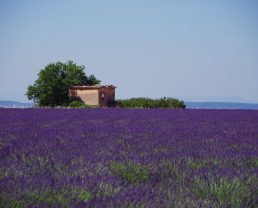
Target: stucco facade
<point x="98" y="95"/>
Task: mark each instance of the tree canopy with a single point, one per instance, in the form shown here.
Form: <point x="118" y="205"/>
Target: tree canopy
<point x="53" y="83"/>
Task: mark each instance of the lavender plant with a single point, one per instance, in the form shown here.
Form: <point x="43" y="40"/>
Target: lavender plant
<point x="128" y="158"/>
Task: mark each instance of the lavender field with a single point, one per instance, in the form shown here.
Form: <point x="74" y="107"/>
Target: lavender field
<point x="128" y="158"/>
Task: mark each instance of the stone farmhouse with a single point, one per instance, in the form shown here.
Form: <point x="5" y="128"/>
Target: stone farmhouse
<point x="96" y="95"/>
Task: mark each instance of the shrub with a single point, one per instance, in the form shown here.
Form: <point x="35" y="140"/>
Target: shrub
<point x="77" y="104"/>
<point x="152" y="103"/>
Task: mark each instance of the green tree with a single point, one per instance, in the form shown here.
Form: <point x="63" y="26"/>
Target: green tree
<point x="53" y="83"/>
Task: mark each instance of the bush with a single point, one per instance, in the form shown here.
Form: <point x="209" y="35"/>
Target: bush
<point x="152" y="103"/>
<point x="77" y="104"/>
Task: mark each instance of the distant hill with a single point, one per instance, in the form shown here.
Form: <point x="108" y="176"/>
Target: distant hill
<point x="220" y="105"/>
<point x="14" y="104"/>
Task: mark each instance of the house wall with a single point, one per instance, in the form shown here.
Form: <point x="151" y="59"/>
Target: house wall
<point x="109" y="96"/>
<point x="89" y="96"/>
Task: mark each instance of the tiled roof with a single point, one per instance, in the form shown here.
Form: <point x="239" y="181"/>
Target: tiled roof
<point x="92" y="86"/>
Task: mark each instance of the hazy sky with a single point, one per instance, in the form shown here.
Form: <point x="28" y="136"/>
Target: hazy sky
<point x="196" y="50"/>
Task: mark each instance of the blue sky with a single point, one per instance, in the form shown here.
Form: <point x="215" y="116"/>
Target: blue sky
<point x="202" y="50"/>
